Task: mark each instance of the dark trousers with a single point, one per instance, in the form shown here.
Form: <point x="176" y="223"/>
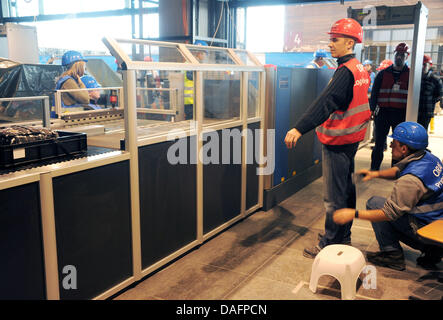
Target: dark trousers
<point x="389" y="234"/>
<point x="339" y="192"/>
<point x="387" y="118"/>
<point x="424" y="120"/>
<point x="189" y="111"/>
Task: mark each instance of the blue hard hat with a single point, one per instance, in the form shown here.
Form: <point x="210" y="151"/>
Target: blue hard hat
<point x="200" y="43"/>
<point x="412" y="134"/>
<point x="90" y="82"/>
<point x="320" y="53"/>
<point x="71" y="57"/>
<point x="367" y="62"/>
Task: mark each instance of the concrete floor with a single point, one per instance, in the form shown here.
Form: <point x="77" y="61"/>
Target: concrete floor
<point x="260" y="257"/>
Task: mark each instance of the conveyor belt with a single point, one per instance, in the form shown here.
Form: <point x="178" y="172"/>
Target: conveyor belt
<point x="92" y="151"/>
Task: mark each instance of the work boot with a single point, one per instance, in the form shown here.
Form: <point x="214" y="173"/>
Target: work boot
<point x="390" y="259"/>
<point x="429" y="259"/>
<point x="346" y="242"/>
<point x="311" y="252"/>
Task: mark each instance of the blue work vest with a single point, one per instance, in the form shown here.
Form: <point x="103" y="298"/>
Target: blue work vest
<point x="429" y="170"/>
<point x="58" y="87"/>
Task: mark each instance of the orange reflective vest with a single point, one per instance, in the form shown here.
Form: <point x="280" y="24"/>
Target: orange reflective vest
<point x="347" y="127"/>
<point x="393" y="94"/>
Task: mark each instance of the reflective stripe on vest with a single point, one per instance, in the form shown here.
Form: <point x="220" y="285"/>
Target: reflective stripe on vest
<point x="429" y="170"/>
<point x="346" y="127"/>
<point x="390" y="97"/>
<point x="390" y="91"/>
<point x="188" y="92"/>
<point x="393" y="100"/>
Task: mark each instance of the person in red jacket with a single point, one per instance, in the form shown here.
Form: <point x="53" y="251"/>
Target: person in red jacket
<point x="388" y="101"/>
<point x="340" y="115"/>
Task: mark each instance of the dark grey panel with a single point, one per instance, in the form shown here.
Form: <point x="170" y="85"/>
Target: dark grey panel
<point x="93" y="228"/>
<point x="303" y="93"/>
<point x="221" y="188"/>
<point x="21" y="249"/>
<point x="168" y="210"/>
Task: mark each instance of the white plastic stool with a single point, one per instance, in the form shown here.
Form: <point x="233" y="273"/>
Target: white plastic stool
<point x="345" y="263"/>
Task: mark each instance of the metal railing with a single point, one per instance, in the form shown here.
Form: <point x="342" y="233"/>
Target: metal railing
<point x="173" y="100"/>
<point x="46" y="111"/>
<point x="173" y="110"/>
<point x="58" y="97"/>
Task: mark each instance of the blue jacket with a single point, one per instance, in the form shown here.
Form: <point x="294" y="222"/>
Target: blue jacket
<point x="429" y="170"/>
<point x="372" y="76"/>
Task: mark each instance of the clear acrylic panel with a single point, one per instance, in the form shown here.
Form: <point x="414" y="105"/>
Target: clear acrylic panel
<point x="160" y="99"/>
<point x="21" y="111"/>
<point x="210" y="55"/>
<point x="243" y="55"/>
<point x="102" y="98"/>
<point x="221" y="96"/>
<point x="253" y="94"/>
<point x="151" y="52"/>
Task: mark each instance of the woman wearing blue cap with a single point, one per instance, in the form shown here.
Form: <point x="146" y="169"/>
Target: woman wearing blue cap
<point x="71" y="79"/>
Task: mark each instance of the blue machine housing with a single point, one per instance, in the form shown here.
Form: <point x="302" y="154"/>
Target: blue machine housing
<point x="294" y="91"/>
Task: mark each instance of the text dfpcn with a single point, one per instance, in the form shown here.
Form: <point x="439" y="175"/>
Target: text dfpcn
<point x="242" y="309"/>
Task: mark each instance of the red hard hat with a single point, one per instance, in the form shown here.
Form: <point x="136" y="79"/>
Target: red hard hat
<point x="402" y="48"/>
<point x="348" y="27"/>
<point x="427" y="59"/>
<point x="147" y="59"/>
<point x="384" y="64"/>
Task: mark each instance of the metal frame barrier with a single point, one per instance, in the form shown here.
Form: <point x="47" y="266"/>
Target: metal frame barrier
<point x="46" y="114"/>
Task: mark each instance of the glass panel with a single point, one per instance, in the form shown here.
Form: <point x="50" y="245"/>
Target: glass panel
<point x="151" y="52"/>
<point x="160" y="100"/>
<point x="211" y="56"/>
<point x="21" y="111"/>
<point x="243" y="55"/>
<point x="253" y="94"/>
<point x="100" y="99"/>
<point x="221" y="96"/>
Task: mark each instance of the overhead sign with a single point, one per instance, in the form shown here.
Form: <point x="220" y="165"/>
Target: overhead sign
<point x="383" y="15"/>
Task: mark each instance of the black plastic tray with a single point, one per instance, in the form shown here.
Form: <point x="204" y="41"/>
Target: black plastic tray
<point x="67" y="144"/>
